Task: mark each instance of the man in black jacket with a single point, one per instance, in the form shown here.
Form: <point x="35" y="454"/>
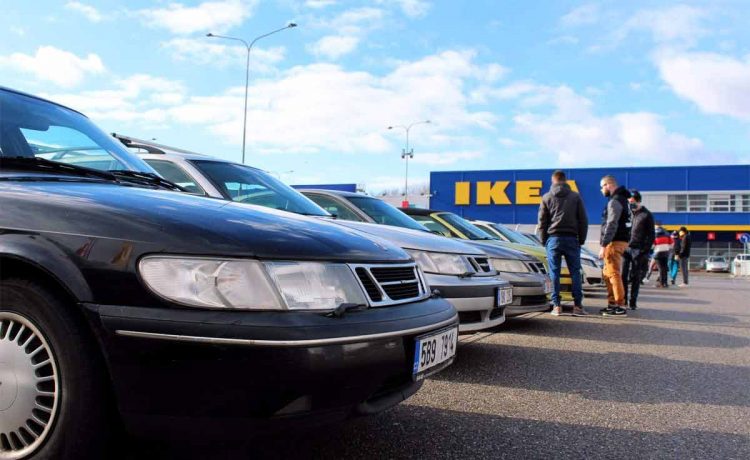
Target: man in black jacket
<point x="614" y="240"/>
<point x="636" y="255"/>
<point x="563" y="226"/>
<point x="684" y="254"/>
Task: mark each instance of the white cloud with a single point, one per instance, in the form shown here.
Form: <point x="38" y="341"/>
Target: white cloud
<point x="140" y="98"/>
<point x="51" y="64"/>
<point x="411" y="8"/>
<point x="206" y="51"/>
<point x="582" y="15"/>
<point x="210" y="16"/>
<point x="563" y="40"/>
<point x="20" y="31"/>
<point x="334" y="46"/>
<point x="562" y="121"/>
<point x="348" y="28"/>
<point x="318" y="4"/>
<point x="445" y="158"/>
<point x="88" y="11"/>
<point x="677" y="25"/>
<point x="716" y="83"/>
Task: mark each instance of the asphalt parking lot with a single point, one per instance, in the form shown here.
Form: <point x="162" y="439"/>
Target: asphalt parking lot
<point x="670" y="381"/>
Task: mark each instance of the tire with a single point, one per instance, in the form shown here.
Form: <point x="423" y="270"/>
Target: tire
<point x="76" y="422"/>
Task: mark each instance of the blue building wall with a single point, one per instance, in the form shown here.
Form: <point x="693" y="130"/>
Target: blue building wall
<point x="648" y="179"/>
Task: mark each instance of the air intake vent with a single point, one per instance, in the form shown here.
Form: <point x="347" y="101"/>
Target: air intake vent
<point x="537" y="267"/>
<point x="390" y="284"/>
<point x="481" y="264"/>
<point x="372" y="290"/>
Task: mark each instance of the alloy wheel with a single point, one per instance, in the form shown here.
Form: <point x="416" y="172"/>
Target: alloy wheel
<point x="29" y="387"/>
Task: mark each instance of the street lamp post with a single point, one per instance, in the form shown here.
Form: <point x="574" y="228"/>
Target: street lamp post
<point x="406" y="154"/>
<point x="248" y="47"/>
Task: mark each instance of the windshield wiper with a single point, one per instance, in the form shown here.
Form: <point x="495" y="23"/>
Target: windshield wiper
<point x="145" y="178"/>
<point x="44" y="165"/>
<point x="118" y="176"/>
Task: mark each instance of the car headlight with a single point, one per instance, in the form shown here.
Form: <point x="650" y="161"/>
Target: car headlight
<point x="251" y="284"/>
<point x="440" y="262"/>
<point x="510" y="266"/>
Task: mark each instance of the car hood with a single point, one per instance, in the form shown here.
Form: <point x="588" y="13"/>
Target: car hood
<point x="182" y="223"/>
<point x="503" y="250"/>
<point x="412" y="239"/>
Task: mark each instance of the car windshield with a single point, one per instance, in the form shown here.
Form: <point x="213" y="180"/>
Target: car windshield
<point x="32" y="128"/>
<point x="244" y="184"/>
<point x="513" y="236"/>
<point x="434" y="226"/>
<point x="383" y="213"/>
<point x="716" y="259"/>
<point x="470" y="230"/>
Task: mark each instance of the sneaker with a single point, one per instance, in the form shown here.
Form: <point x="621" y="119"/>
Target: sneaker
<point x="682" y="285"/>
<point x="617" y="311"/>
<point x="633" y="307"/>
<point x="672" y="282"/>
<point x="556" y="311"/>
<point x="579" y="311"/>
<point x="608" y="309"/>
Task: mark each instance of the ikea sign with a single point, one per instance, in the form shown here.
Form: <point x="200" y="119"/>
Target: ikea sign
<point x="499" y="193"/>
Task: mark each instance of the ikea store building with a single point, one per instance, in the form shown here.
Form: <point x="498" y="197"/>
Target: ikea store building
<point x="713" y="202"/>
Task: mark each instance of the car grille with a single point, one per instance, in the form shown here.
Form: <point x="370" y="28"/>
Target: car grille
<point x="391" y="284"/>
<point x="537" y="267"/>
<point x="480" y="264"/>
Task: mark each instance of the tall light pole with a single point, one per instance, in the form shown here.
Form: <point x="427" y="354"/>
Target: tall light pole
<point x="406" y="154"/>
<point x="248" y="47"/>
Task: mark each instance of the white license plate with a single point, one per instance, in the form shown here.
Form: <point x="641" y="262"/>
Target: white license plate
<point x="504" y="297"/>
<point x="433" y="350"/>
<point x="547" y="286"/>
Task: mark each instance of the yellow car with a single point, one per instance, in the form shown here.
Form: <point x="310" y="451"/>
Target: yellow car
<point x="454" y="226"/>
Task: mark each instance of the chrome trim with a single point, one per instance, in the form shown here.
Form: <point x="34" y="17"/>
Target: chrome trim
<point x="284" y="343"/>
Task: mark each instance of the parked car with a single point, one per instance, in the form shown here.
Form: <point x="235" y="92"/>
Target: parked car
<point x="181" y="315"/>
<point x="454" y="226"/>
<point x="530" y="287"/>
<point x="590" y="265"/>
<point x="461" y="273"/>
<point x="718" y="264"/>
<point x="737" y="265"/>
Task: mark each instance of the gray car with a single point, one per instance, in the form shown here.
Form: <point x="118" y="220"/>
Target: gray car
<point x="531" y="285"/>
<point x="461" y="273"/>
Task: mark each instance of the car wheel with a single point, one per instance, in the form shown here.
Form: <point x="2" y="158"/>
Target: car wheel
<point x="53" y="400"/>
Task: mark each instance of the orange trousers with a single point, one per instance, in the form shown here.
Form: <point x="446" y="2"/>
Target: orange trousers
<point x="612" y="276"/>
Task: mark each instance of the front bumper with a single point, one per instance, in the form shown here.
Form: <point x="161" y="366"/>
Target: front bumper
<point x="529" y="293"/>
<point x="474" y="298"/>
<point x="232" y="373"/>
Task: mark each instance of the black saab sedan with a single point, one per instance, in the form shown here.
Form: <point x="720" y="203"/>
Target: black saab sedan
<point x="177" y="315"/>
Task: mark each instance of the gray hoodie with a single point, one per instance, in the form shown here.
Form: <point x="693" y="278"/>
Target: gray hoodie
<point x="561" y="213"/>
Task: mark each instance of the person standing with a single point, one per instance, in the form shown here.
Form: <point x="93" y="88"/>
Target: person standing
<point x="636" y="255"/>
<point x="563" y="226"/>
<point x="684" y="254"/>
<point x="674" y="264"/>
<point x="615" y="237"/>
<point x="662" y="246"/>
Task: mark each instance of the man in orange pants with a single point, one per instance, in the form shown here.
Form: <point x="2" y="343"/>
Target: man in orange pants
<point x="614" y="240"/>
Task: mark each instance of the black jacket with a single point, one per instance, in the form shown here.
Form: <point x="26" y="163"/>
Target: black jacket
<point x="642" y="233"/>
<point x="687" y="241"/>
<point x="561" y="213"/>
<point x="616" y="218"/>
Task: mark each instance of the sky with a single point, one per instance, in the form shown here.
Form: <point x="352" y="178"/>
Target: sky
<point x="505" y="84"/>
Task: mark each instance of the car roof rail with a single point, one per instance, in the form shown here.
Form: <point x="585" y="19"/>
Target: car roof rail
<point x="150" y="146"/>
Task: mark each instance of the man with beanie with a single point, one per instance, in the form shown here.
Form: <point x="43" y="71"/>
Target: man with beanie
<point x="636" y="255"/>
<point x="614" y="240"/>
<point x="563" y="226"/>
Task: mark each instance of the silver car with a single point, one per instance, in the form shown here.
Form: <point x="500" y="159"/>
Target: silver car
<point x="531" y="285"/>
<point x="460" y="273"/>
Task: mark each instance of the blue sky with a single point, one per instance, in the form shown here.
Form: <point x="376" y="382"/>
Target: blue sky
<point x="507" y="84"/>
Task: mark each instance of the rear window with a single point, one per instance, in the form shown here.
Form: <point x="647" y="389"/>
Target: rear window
<point x="383" y="213"/>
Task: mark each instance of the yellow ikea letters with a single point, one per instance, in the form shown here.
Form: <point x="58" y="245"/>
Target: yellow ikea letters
<point x="487" y="192"/>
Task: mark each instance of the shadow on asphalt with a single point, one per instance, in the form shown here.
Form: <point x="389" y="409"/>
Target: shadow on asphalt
<point x="424" y="432"/>
<point x="622" y="377"/>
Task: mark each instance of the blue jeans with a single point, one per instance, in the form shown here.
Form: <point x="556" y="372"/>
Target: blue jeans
<point x="674" y="267"/>
<point x="567" y="246"/>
